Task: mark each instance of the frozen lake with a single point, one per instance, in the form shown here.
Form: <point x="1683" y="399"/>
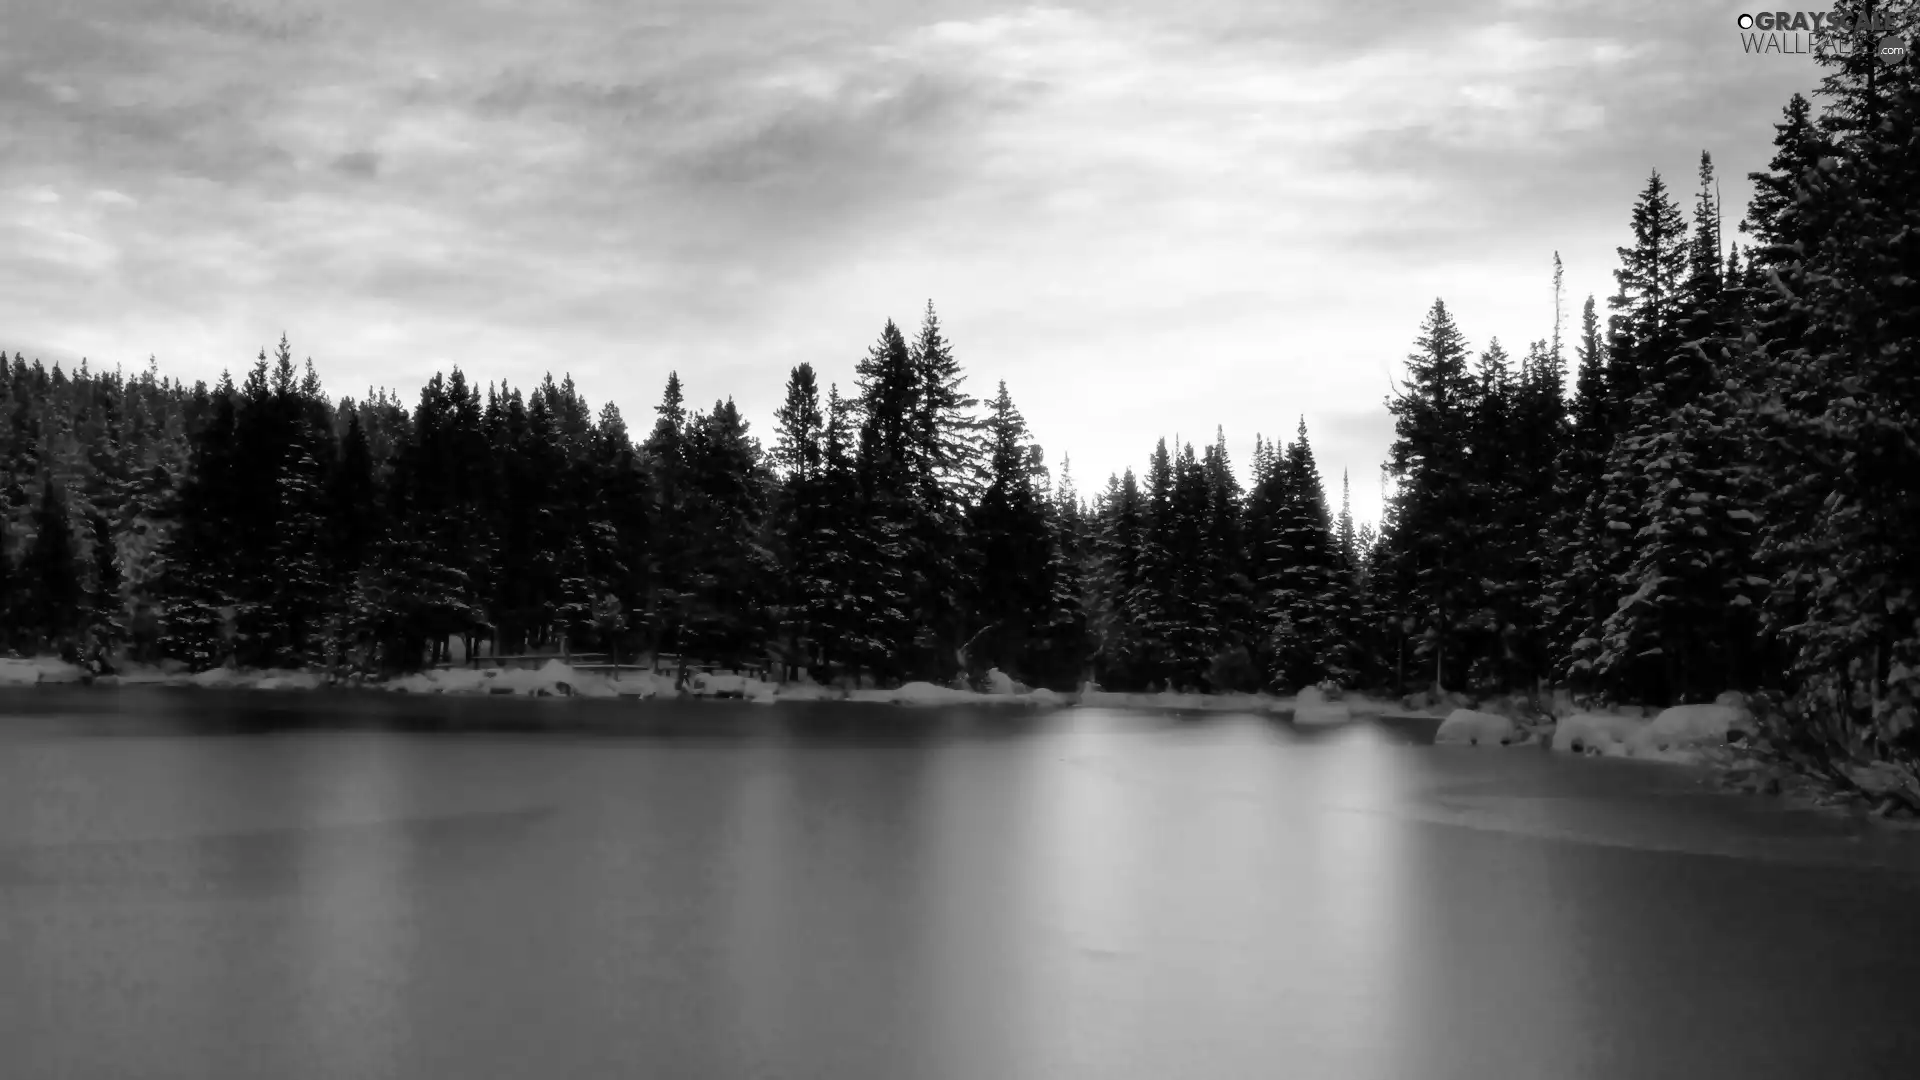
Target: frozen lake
<point x="212" y="885"/>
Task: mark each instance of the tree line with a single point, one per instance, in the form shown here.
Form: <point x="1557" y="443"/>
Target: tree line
<point x="1724" y="497"/>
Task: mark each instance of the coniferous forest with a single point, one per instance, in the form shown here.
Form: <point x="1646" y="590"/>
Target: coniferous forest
<point x="1709" y="480"/>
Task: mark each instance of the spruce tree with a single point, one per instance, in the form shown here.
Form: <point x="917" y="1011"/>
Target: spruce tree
<point x="1151" y="601"/>
<point x="1302" y="578"/>
<point x="1840" y="421"/>
<point x="50" y="606"/>
<point x="1117" y="579"/>
<point x="1429" y="588"/>
<point x="1013" y="598"/>
<point x="106" y="604"/>
<point x="891" y="577"/>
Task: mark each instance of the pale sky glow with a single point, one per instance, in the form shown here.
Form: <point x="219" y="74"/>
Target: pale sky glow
<point x="1150" y="218"/>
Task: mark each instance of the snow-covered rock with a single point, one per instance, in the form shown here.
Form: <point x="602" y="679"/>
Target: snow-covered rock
<point x="999" y="682"/>
<point x="1689" y="727"/>
<point x="1312" y="709"/>
<point x="926" y="693"/>
<point x="1471" y="728"/>
<point x="1598" y="733"/>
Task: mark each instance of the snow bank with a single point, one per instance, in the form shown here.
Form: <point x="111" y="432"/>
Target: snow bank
<point x="246" y="679"/>
<point x="1685" y="732"/>
<point x="1599" y="733"/>
<point x="551" y="679"/>
<point x="41" y="669"/>
<point x="1043" y="696"/>
<point x="926" y="693"/>
<point x="805" y="689"/>
<point x="714" y="684"/>
<point x="1170" y="701"/>
<point x="1466" y="726"/>
<point x="1312" y="709"/>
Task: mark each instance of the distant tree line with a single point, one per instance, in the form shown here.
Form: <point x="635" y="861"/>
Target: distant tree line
<point x="1726" y="499"/>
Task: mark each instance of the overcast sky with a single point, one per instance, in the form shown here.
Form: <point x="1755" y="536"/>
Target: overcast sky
<point x="1149" y="218"/>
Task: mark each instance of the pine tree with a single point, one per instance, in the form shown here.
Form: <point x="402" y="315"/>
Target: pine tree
<point x="1302" y="578"/>
<point x="733" y="572"/>
<point x="671" y="544"/>
<point x="890" y="580"/>
<point x="1798" y="147"/>
<point x="1840" y="417"/>
<point x="1151" y="600"/>
<point x="798" y="456"/>
<point x="1673" y="479"/>
<point x="1425" y="534"/>
<point x="1645" y="327"/>
<point x="198" y="578"/>
<point x="50" y="607"/>
<point x="1117" y="579"/>
<point x="947" y="455"/>
<point x="9" y="587"/>
<point x="1013" y="598"/>
<point x="1229" y="583"/>
<point x="106" y="621"/>
<point x="836" y="608"/>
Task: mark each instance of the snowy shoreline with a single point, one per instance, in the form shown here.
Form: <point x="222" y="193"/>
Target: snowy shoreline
<point x="1687" y="734"/>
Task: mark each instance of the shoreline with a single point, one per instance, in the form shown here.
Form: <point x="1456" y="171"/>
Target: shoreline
<point x="1690" y="736"/>
<point x="1697" y="735"/>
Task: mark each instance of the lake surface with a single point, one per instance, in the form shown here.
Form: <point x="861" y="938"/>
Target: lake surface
<point x="211" y="885"/>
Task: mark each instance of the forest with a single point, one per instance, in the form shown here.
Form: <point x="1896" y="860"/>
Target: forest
<point x="1711" y="487"/>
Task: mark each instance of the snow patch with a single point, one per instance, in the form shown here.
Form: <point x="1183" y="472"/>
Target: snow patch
<point x="554" y="678"/>
<point x="705" y="684"/>
<point x="1599" y="733"/>
<point x="1471" y="728"/>
<point x="40" y="669"/>
<point x="1167" y="700"/>
<point x="926" y="693"/>
<point x="1312" y="709"/>
<point x="1682" y="732"/>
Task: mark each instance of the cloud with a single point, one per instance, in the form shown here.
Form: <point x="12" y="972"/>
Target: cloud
<point x="362" y="163"/>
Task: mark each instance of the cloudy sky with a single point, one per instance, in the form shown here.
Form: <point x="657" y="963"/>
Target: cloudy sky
<point x="1150" y="217"/>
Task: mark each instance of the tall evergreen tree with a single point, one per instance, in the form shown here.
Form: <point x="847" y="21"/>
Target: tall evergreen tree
<point x="1425" y="581"/>
<point x="1013" y="598"/>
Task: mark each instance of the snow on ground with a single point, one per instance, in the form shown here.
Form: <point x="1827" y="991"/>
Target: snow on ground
<point x="1472" y="728"/>
<point x="1603" y="734"/>
<point x="1683" y="734"/>
<point x="551" y="679"/>
<point x="1167" y="699"/>
<point x="1687" y="733"/>
<point x="234" y="679"/>
<point x="805" y="689"/>
<point x="1312" y="709"/>
<point x="43" y="669"/>
<point x="926" y="693"/>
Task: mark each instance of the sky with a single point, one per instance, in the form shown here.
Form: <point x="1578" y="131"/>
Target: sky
<point x="1151" y="218"/>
